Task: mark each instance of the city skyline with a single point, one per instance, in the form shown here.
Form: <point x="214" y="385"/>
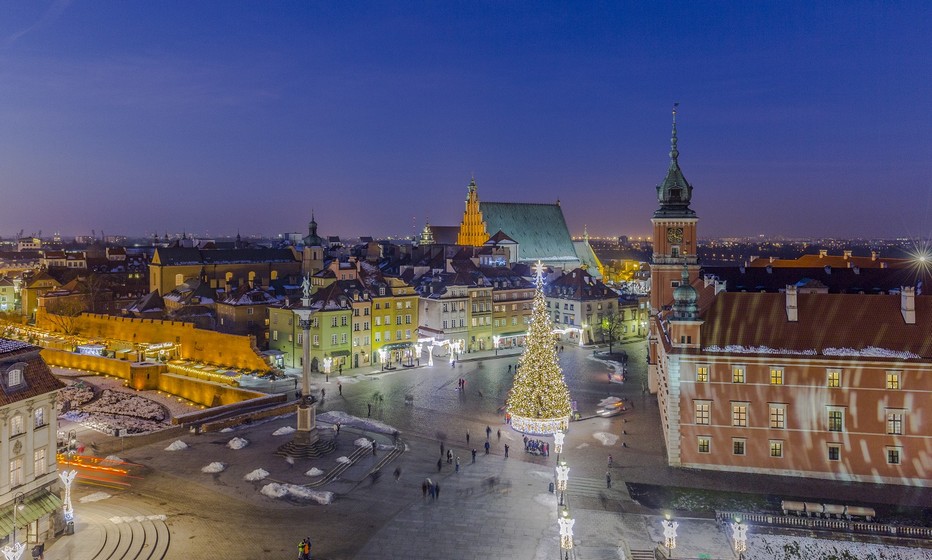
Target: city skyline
<point x="135" y="118"/>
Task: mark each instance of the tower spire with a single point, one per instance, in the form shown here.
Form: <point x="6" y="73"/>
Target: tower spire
<point x="674" y="153"/>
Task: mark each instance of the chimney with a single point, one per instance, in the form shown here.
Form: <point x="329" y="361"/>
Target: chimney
<point x="823" y="253"/>
<point x="792" y="311"/>
<point x="707" y="280"/>
<point x="719" y="286"/>
<point x="875" y="255"/>
<point x="908" y="304"/>
<point x="847" y="254"/>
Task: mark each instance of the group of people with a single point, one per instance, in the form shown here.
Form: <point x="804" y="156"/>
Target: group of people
<point x="536" y="447"/>
<point x="462" y="384"/>
<point x="304" y="549"/>
<point x="430" y="488"/>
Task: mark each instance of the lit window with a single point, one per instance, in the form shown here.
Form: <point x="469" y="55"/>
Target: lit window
<point x="836" y="420"/>
<point x="739" y="415"/>
<point x="16" y="472"/>
<point x="893" y="455"/>
<point x="300" y="339"/>
<point x="343" y="320"/>
<point x="702" y="374"/>
<point x="343" y="338"/>
<point x="333" y="321"/>
<point x="738" y="445"/>
<point x="705" y="444"/>
<point x="778" y="416"/>
<point x="703" y="412"/>
<point x="378" y="336"/>
<point x="40" y="461"/>
<point x="39" y="416"/>
<point x="776" y="448"/>
<point x="893" y="380"/>
<point x="895" y="422"/>
<point x="316" y="341"/>
<point x="15" y="377"/>
<point x="834" y="378"/>
<point x="776" y="376"/>
<point x="737" y="374"/>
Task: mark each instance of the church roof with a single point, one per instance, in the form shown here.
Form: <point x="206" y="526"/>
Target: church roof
<point x="500" y="237"/>
<point x="539" y="229"/>
<point x="588" y="258"/>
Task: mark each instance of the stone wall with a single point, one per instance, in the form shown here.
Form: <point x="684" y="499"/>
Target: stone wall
<point x="200" y="345"/>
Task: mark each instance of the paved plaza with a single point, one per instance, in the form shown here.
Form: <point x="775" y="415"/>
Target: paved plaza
<point x="497" y="507"/>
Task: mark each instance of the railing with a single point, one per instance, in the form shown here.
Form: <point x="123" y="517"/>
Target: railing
<point x="905" y="531"/>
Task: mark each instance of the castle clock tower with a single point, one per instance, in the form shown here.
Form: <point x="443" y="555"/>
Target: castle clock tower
<point x="674" y="235"/>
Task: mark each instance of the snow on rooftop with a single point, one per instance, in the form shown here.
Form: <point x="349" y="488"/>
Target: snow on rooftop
<point x="8" y="345"/>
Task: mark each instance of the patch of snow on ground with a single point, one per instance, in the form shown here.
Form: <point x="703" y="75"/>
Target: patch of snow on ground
<point x="581" y="445"/>
<point x="237" y="443"/>
<point x="275" y="490"/>
<point x="607" y="401"/>
<point x="112" y="459"/>
<point x="362" y="442"/>
<point x="257" y="474"/>
<point x="283" y="431"/>
<point x="214" y="467"/>
<point x="780" y="547"/>
<point x="95" y="497"/>
<point x="367" y="424"/>
<point x="177" y="446"/>
<point x="606" y="438"/>
<point x="226" y="430"/>
<point x="343" y="459"/>
<point x="546" y="500"/>
<point x="314" y="472"/>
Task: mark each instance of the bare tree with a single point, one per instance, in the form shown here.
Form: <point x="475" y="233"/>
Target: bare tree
<point x="611" y="328"/>
<point x="62" y="313"/>
<point x="97" y="288"/>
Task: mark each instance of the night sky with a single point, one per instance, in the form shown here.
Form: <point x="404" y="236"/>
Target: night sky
<point x="796" y="118"/>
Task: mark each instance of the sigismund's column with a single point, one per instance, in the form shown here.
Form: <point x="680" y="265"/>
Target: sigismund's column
<point x="306" y="433"/>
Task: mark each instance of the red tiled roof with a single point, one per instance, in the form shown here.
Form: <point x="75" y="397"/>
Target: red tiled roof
<point x="37" y="375"/>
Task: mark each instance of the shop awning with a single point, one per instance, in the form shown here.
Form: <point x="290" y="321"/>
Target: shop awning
<point x="397" y="346"/>
<point x="516" y="333"/>
<point x="36" y="506"/>
<point x="340" y="353"/>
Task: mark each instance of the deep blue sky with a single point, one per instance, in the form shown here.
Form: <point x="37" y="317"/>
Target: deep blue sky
<point x="798" y="119"/>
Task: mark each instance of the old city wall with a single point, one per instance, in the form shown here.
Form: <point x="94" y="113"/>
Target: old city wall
<point x="200" y="345"/>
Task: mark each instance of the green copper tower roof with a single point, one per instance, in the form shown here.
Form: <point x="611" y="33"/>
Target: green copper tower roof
<point x="674" y="193"/>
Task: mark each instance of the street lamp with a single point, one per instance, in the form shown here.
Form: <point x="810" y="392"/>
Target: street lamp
<point x="67" y="477"/>
<point x="566" y="532"/>
<point x="15" y="549"/>
<point x="563" y="475"/>
<point x="669" y="534"/>
<point x="558" y="443"/>
<point x="72" y="444"/>
<point x="495" y="341"/>
<point x="741" y="537"/>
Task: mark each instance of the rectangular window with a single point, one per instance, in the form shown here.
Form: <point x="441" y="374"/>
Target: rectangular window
<point x="378" y="336"/>
<point x="39" y="417"/>
<point x="365" y="341"/>
<point x="895" y="422"/>
<point x="300" y="338"/>
<point x="16" y="472"/>
<point x="17" y="426"/>
<point x="397" y="305"/>
<point x="290" y="338"/>
<point x="836" y="420"/>
<point x="388" y="336"/>
<point x="776" y="448"/>
<point x="834" y="452"/>
<point x="776" y="376"/>
<point x="365" y="325"/>
<point x="408" y="319"/>
<point x="343" y="338"/>
<point x="316" y="340"/>
<point x="249" y="310"/>
<point x="778" y="416"/>
<point x="705" y="444"/>
<point x="407" y="305"/>
<point x="275" y="336"/>
<point x="834" y="378"/>
<point x="333" y="321"/>
<point x="893" y="455"/>
<point x="388" y="319"/>
<point x="378" y="321"/>
<point x="343" y="320"/>
<point x="398" y="320"/>
<point x="355" y="341"/>
<point x="40" y="461"/>
<point x="397" y="335"/>
<point x="702" y="374"/>
<point x="445" y="326"/>
<point x="893" y="380"/>
<point x="407" y="333"/>
<point x="703" y="412"/>
<point x="737" y="374"/>
<point x="738" y="445"/>
<point x="739" y="415"/>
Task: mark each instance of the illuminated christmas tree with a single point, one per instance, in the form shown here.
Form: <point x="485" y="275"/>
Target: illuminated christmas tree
<point x="539" y="402"/>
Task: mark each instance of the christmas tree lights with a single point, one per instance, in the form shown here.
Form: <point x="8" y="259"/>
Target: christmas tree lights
<point x="539" y="402"/>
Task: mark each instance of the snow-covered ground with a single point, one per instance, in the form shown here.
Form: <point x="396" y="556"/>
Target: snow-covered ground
<point x="283" y="431"/>
<point x="237" y="443"/>
<point x="314" y="472"/>
<point x="214" y="467"/>
<point x="779" y="547"/>
<point x="344" y="419"/>
<point x="257" y="474"/>
<point x="177" y="446"/>
<point x="95" y="497"/>
<point x="606" y="438"/>
<point x="275" y="490"/>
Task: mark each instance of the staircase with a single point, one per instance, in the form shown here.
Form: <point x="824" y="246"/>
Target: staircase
<point x="642" y="555"/>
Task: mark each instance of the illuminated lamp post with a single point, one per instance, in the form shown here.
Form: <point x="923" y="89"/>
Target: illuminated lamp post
<point x="563" y="475"/>
<point x="566" y="532"/>
<point x="558" y="443"/>
<point x="582" y="334"/>
<point x="741" y="537"/>
<point x="669" y="534"/>
<point x="14" y="550"/>
<point x="430" y="355"/>
<point x="306" y="433"/>
<point x="495" y="340"/>
<point x="382" y="354"/>
<point x="417" y="351"/>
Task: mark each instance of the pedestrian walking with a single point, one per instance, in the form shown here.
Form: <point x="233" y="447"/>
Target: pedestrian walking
<point x="341" y="369"/>
<point x="424" y="489"/>
<point x="449" y="456"/>
<point x="323" y="393"/>
<point x="373" y="447"/>
<point x="338" y="428"/>
<point x="457" y="463"/>
<point x="439" y="464"/>
<point x="473" y="454"/>
<point x="437" y="491"/>
<point x="487" y="446"/>
<point x="467" y="437"/>
<point x="340" y="388"/>
<point x="499" y="434"/>
<point x="608" y="479"/>
<point x="609" y="461"/>
<point x="397" y="473"/>
<point x="488" y="432"/>
<point x="506" y="450"/>
<point x="301" y="550"/>
<point x="369" y="410"/>
<point x="441" y="449"/>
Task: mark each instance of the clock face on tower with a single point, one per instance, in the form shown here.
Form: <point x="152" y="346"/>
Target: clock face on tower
<point x="675" y="235"/>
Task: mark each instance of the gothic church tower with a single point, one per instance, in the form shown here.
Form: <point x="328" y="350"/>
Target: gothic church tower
<point x="472" y="228"/>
